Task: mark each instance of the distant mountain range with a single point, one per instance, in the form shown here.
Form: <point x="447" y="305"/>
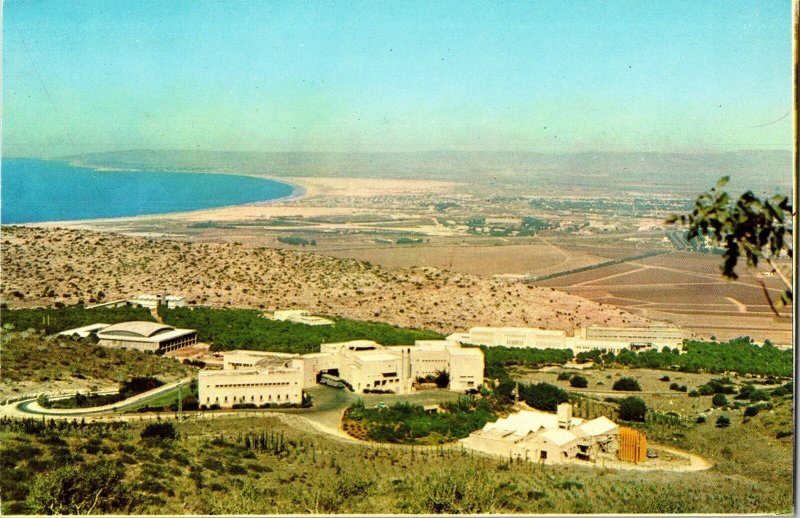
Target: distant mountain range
<point x="760" y="171"/>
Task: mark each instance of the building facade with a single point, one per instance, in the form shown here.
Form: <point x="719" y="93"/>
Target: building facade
<point x="548" y="438"/>
<point x="153" y="301"/>
<point x="260" y="378"/>
<point x="146" y="336"/>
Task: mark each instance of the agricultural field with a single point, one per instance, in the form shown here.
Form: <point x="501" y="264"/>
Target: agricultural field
<point x="686" y="288"/>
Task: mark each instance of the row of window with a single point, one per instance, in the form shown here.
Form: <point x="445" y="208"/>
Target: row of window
<point x="241" y="399"/>
<point x="272" y="384"/>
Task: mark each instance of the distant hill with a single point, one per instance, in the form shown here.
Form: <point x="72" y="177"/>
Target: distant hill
<point x="761" y="171"/>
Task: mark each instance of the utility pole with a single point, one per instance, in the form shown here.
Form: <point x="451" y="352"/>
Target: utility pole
<point x="180" y="404"/>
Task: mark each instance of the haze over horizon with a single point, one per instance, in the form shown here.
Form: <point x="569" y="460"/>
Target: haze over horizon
<point x="90" y="76"/>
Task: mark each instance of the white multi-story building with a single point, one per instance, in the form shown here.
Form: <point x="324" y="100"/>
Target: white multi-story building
<point x="653" y="335"/>
<point x="270" y="381"/>
<point x="517" y="337"/>
<point x="261" y="377"/>
<point x="586" y="338"/>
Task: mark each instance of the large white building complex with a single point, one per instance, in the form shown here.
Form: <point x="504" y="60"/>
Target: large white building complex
<point x="584" y="339"/>
<point x="363" y="365"/>
<point x="557" y="438"/>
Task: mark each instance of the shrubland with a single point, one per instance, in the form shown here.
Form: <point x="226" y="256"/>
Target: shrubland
<point x="260" y="465"/>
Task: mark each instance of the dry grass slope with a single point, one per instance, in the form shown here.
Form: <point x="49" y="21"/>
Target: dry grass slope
<point x="42" y="266"/>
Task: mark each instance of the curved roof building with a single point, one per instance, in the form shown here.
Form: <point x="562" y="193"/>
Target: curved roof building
<point x="146" y="336"/>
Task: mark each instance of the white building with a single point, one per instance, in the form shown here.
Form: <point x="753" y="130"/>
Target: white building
<point x="146" y="336"/>
<point x="658" y="336"/>
<point x="517" y="337"/>
<point x="586" y="338"/>
<point x="153" y="301"/>
<point x="301" y="316"/>
<point x="264" y="377"/>
<point x="547" y="438"/>
<point x="83" y="332"/>
<point x="250" y="377"/>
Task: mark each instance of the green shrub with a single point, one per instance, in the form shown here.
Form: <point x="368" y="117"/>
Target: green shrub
<point x="752" y="411"/>
<point x="564" y="375"/>
<point x="723" y="421"/>
<point x="632" y="409"/>
<point x="578" y="381"/>
<point x="159" y="431"/>
<point x="626" y="384"/>
<point x="719" y="400"/>
<point x="700" y="419"/>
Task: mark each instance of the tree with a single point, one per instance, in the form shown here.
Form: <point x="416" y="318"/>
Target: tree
<point x="723" y="421"/>
<point x="160" y="431"/>
<point x="629" y="384"/>
<point x="95" y="488"/>
<point x="750" y="227"/>
<point x="719" y="400"/>
<point x="632" y="409"/>
<point x="543" y="396"/>
<point x="578" y="381"/>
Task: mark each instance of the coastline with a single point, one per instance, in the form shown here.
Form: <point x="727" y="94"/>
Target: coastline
<point x="299" y="191"/>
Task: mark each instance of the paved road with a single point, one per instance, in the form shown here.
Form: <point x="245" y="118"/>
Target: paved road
<point x="29" y="407"/>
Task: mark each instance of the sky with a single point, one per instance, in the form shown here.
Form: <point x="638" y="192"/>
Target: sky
<point x="545" y="76"/>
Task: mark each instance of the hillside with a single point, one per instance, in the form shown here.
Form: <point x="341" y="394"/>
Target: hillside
<point x="42" y="266"/>
<point x="32" y="363"/>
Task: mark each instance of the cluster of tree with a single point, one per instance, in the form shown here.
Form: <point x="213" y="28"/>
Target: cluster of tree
<point x="542" y="396"/>
<point x="441" y="378"/>
<point x="632" y="409"/>
<point x="738" y="355"/>
<point x="248" y="329"/>
<point x="297" y="241"/>
<point x="54" y="320"/>
<point x="407" y="423"/>
<point x="496" y="359"/>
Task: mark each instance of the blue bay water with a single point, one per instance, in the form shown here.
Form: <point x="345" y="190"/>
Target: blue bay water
<point x="45" y="190"/>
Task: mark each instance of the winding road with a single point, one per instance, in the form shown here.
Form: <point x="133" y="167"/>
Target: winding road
<point x="325" y="417"/>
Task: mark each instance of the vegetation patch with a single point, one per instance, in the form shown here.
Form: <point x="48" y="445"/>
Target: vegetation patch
<point x="248" y="329"/>
<point x="407" y="423"/>
<point x="55" y="320"/>
<point x="739" y="355"/>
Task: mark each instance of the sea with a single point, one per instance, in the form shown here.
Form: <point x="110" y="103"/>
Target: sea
<point x="33" y="190"/>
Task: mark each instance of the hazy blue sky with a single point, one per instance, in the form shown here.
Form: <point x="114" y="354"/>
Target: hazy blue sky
<point x="82" y="76"/>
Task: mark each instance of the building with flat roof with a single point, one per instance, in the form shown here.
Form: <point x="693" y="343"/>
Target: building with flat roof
<point x="552" y="438"/>
<point x="146" y="336"/>
<point x="658" y="336"/>
<point x="613" y="339"/>
<point x="272" y="380"/>
<point x="153" y="301"/>
<point x="361" y="365"/>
